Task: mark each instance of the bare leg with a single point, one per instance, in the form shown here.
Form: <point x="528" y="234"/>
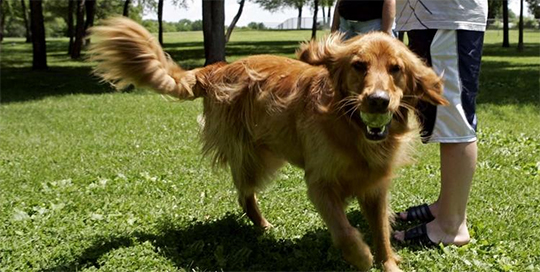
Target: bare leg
<point x="375" y="208"/>
<point x="458" y="164"/>
<point x="331" y="207"/>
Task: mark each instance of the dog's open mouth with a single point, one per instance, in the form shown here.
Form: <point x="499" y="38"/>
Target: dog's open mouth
<point x="377" y="125"/>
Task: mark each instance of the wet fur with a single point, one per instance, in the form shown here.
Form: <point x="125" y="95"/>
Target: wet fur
<point x="263" y="111"/>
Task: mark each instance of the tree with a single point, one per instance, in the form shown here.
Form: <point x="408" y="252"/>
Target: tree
<point x="274" y="5"/>
<point x="79" y="30"/>
<point x="494" y="8"/>
<point x="520" y="39"/>
<point x="39" y="47"/>
<point x="314" y="27"/>
<point x="299" y="4"/>
<point x="160" y="22"/>
<point x="534" y="8"/>
<point x="25" y="19"/>
<point x="506" y="39"/>
<point x="328" y="4"/>
<point x="90" y="6"/>
<point x="2" y="20"/>
<point x="214" y="30"/>
<point x="127" y="3"/>
<point x="235" y="20"/>
<point x="70" y="33"/>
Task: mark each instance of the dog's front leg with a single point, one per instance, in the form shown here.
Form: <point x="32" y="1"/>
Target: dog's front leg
<point x="331" y="207"/>
<point x="375" y="207"/>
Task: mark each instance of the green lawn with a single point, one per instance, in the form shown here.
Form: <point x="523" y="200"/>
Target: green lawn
<point x="92" y="179"/>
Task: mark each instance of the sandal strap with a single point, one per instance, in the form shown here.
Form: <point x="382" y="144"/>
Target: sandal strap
<point x="420" y="213"/>
<point x="418" y="235"/>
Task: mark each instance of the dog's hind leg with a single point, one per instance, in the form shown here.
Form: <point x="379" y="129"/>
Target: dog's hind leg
<point x="249" y="176"/>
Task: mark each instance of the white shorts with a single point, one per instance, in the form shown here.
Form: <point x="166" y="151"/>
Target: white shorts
<point x="353" y="28"/>
<point x="455" y="54"/>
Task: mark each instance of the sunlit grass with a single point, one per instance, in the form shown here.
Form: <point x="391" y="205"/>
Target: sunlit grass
<point x="94" y="179"/>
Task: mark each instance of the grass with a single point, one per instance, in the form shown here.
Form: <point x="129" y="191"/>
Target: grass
<point x="91" y="179"/>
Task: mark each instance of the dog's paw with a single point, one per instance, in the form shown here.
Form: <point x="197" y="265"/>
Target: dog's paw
<point x="391" y="266"/>
<point x="266" y="225"/>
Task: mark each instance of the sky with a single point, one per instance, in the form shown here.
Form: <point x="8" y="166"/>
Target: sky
<point x="251" y="13"/>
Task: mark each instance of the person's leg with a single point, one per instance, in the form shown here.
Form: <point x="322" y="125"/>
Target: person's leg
<point x="458" y="161"/>
<point x="458" y="164"/>
<point x="458" y="54"/>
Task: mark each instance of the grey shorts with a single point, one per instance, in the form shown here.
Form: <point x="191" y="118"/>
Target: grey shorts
<point x="353" y="28"/>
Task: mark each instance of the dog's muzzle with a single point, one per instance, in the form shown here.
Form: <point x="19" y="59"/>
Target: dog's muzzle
<point x="377" y="118"/>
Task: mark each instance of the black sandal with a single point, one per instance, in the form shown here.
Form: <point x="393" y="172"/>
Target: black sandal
<point x="418" y="236"/>
<point x="418" y="213"/>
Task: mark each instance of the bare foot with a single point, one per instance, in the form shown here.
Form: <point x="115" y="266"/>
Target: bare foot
<point x="446" y="233"/>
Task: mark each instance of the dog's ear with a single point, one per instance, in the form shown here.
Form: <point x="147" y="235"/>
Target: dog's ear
<point x="321" y="52"/>
<point x="424" y="83"/>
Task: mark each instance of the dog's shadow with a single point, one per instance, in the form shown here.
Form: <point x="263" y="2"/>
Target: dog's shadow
<point x="229" y="244"/>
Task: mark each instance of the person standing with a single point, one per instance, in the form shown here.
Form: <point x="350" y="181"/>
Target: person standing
<point x="354" y="17"/>
<point x="449" y="35"/>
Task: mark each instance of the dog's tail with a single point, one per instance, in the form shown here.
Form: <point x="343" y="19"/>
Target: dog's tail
<point x="128" y="54"/>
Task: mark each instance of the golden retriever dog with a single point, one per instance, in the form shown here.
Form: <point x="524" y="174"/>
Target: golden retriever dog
<point x="343" y="112"/>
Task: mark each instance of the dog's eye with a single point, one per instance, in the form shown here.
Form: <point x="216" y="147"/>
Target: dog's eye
<point x="360" y="66"/>
<point x="394" y="69"/>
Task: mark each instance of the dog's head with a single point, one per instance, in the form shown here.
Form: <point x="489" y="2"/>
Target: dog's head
<point x="376" y="79"/>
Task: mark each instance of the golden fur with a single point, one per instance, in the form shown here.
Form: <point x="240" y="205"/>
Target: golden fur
<point x="263" y="111"/>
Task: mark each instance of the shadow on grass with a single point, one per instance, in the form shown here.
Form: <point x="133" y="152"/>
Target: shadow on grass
<point x="23" y="84"/>
<point x="226" y="244"/>
<point x="505" y="83"/>
<point x="189" y="51"/>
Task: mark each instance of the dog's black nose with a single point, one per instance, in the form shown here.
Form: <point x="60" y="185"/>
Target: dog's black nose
<point x="378" y="102"/>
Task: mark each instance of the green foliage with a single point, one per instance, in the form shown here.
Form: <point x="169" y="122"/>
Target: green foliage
<point x="105" y="9"/>
<point x="256" y="26"/>
<point x="275" y="5"/>
<point x="182" y="25"/>
<point x="93" y="179"/>
<point x="55" y="14"/>
<point x="534" y="8"/>
<point x="494" y="8"/>
<point x="14" y="23"/>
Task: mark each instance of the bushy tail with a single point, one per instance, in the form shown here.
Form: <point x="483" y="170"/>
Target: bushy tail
<point x="128" y="54"/>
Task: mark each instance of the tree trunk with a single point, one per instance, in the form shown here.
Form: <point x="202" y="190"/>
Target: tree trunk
<point x="323" y="16"/>
<point x="234" y="21"/>
<point x="79" y="30"/>
<point x="314" y="27"/>
<point x="299" y="23"/>
<point x="126" y="8"/>
<point x="214" y="30"/>
<point x="25" y="19"/>
<point x="71" y="6"/>
<point x="520" y="40"/>
<point x="2" y="20"/>
<point x="506" y="40"/>
<point x="90" y="14"/>
<point x="328" y="16"/>
<point x="160" y="21"/>
<point x="39" y="46"/>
